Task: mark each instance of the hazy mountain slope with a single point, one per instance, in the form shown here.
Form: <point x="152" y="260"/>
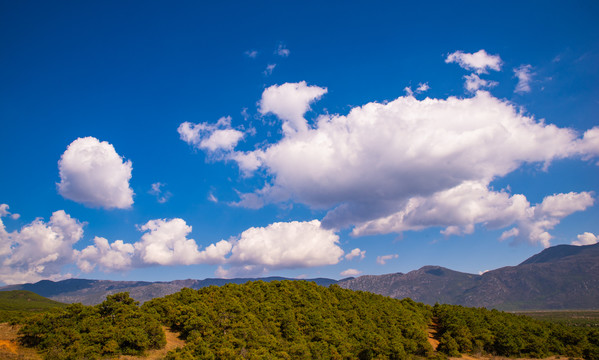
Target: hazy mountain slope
<point x="429" y="284"/>
<point x="560" y="277"/>
<point x="91" y="292"/>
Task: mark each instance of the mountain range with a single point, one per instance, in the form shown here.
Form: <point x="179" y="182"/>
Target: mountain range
<point x="559" y="277"/>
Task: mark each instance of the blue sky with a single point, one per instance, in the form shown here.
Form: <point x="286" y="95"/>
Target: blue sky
<point x="161" y="141"/>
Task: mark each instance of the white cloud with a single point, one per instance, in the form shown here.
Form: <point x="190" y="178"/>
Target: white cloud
<point x="350" y="272"/>
<point x="289" y="102"/>
<point x="382" y="260"/>
<point x="586" y="239"/>
<point x="161" y="196"/>
<point x="474" y="83"/>
<point x="461" y="208"/>
<point x="422" y="87"/>
<point x="212" y="198"/>
<point x="165" y="243"/>
<point x="269" y="69"/>
<point x="282" y="50"/>
<point x="524" y="75"/>
<point x="286" y="245"/>
<point x="92" y="173"/>
<point x="115" y="256"/>
<point x="252" y="54"/>
<point x="413" y="151"/>
<point x="4" y="212"/>
<point x="356" y="253"/>
<point x="39" y="250"/>
<point x="480" y="61"/>
<point x="211" y="137"/>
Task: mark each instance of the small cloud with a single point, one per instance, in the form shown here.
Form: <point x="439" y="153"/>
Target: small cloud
<point x="211" y="137"/>
<point x="408" y="91"/>
<point x="244" y="114"/>
<point x="252" y="54"/>
<point x="161" y="196"/>
<point x="351" y="272"/>
<point x="480" y="61"/>
<point x="356" y="253"/>
<point x="212" y="198"/>
<point x="474" y="83"/>
<point x="382" y="260"/>
<point x="269" y="69"/>
<point x="282" y="50"/>
<point x="524" y="75"/>
<point x="15" y="216"/>
<point x="4" y="212"/>
<point x="422" y="88"/>
<point x="586" y="239"/>
<point x="482" y="272"/>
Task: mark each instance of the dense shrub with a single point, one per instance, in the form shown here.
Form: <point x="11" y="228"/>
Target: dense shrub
<point x="293" y="320"/>
<point x="116" y="326"/>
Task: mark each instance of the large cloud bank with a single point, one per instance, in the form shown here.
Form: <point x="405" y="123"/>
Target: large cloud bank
<point x="255" y="251"/>
<point x="92" y="173"/>
<point x="409" y="164"/>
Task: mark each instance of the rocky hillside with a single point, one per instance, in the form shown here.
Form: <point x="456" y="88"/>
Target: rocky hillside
<point x="560" y="277"/>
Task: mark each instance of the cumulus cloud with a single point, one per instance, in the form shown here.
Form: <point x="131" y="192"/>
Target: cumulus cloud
<point x="211" y="137"/>
<point x="4" y="212"/>
<point x="39" y="250"/>
<point x="524" y="75"/>
<point x="161" y="195"/>
<point x="356" y="253"/>
<point x="115" y="256"/>
<point x="285" y="245"/>
<point x="480" y="61"/>
<point x="256" y="250"/>
<point x="586" y="239"/>
<point x="350" y="272"/>
<point x="415" y="152"/>
<point x="289" y="102"/>
<point x="459" y="209"/>
<point x="92" y="173"/>
<point x="382" y="260"/>
<point x="474" y="83"/>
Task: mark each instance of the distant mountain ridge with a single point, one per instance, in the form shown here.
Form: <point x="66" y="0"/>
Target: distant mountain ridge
<point x="559" y="277"/>
<point x="91" y="292"/>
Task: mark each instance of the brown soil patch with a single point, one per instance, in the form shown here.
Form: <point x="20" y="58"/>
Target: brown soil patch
<point x="10" y="349"/>
<point x="432" y="333"/>
<point x="172" y="342"/>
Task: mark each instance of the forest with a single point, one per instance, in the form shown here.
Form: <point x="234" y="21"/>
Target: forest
<point x="295" y="320"/>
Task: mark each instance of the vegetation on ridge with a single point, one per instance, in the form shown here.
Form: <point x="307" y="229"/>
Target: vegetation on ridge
<point x="293" y="320"/>
<point x="296" y="320"/>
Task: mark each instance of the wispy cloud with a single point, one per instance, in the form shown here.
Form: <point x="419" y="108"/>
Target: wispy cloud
<point x="524" y="74"/>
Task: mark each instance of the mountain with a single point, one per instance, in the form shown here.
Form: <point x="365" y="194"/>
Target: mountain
<point x="91" y="292"/>
<point x="560" y="277"/>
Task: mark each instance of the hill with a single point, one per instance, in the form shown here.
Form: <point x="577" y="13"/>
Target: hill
<point x="560" y="277"/>
<point x="19" y="303"/>
<point x="296" y="320"/>
<point x="92" y="292"/>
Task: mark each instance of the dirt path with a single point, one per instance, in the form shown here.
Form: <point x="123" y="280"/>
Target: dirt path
<point x="10" y="349"/>
<point x="172" y="342"/>
<point x="432" y="332"/>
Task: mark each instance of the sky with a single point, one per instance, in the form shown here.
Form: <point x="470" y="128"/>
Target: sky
<point x="154" y="140"/>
